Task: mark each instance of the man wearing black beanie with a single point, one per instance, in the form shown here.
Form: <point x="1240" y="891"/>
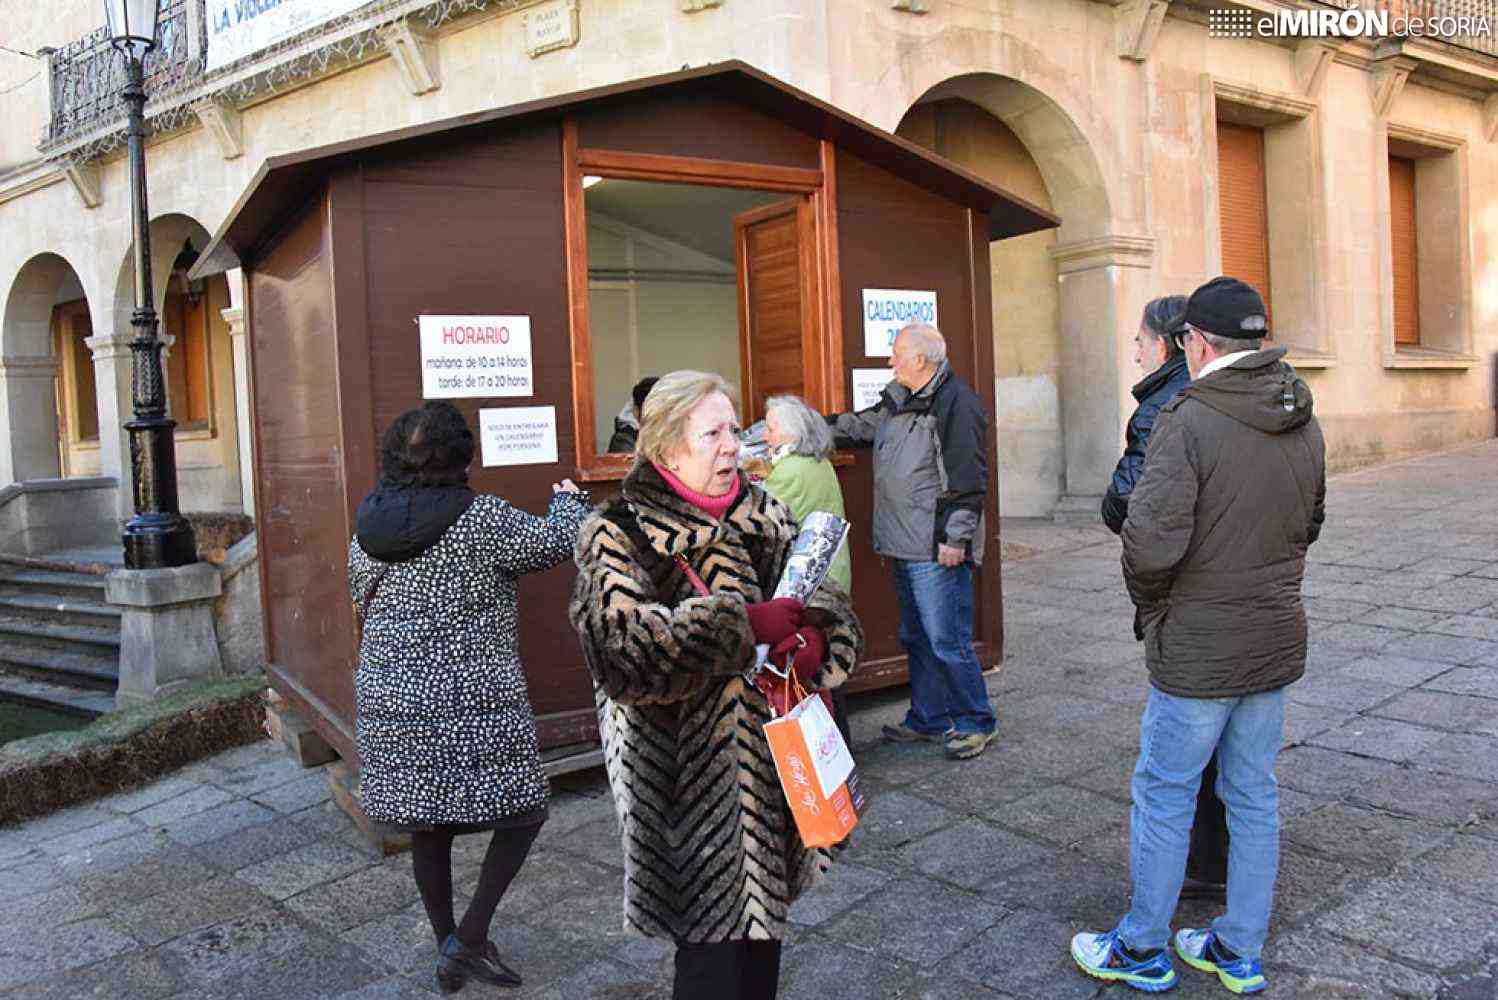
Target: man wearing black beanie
<point x="1214" y="550"/>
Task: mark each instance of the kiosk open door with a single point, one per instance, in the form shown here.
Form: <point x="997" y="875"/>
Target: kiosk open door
<point x="778" y="299"/>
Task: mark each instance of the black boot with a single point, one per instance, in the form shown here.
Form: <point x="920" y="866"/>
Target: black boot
<point x="450" y="978"/>
<point x="485" y="965"/>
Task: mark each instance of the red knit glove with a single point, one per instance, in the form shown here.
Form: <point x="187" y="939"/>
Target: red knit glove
<point x="808" y="657"/>
<point x="773" y="620"/>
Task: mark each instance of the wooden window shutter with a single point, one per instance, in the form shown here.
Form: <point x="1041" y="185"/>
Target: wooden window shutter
<point x="1405" y="248"/>
<point x="187" y="364"/>
<point x="1243" y="206"/>
<point x="86" y="396"/>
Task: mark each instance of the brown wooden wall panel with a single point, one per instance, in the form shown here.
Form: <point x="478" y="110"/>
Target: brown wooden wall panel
<point x="1244" y="206"/>
<point x="699" y="124"/>
<point x="1405" y="247"/>
<point x="477" y="229"/>
<point x="300" y="515"/>
<point x="893" y="234"/>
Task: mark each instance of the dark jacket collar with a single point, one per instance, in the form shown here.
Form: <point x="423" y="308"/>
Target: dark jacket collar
<point x="904" y="400"/>
<point x="1162" y="376"/>
<point x="399" y="523"/>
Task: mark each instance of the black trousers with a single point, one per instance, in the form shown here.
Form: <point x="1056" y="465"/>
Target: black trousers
<point x="727" y="970"/>
<point x="840" y="714"/>
<point x="1208" y="860"/>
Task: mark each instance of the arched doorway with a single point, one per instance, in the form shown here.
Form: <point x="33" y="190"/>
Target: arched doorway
<point x="1059" y="368"/>
<point x="1026" y="304"/>
<point x="197" y="364"/>
<point x="50" y="400"/>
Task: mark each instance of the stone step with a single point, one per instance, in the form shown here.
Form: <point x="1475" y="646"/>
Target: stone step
<point x="60" y="563"/>
<point x="24" y="632"/>
<point x="86" y="703"/>
<point x="78" y="667"/>
<point x="16" y="579"/>
<point x="60" y="610"/>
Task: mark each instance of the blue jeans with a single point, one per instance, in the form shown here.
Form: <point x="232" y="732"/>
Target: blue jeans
<point x="1176" y="739"/>
<point x="936" y="629"/>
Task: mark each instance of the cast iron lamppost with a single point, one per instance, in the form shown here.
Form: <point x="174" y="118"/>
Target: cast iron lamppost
<point x="157" y="536"/>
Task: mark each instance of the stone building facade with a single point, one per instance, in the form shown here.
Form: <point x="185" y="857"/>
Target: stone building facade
<point x="1377" y="189"/>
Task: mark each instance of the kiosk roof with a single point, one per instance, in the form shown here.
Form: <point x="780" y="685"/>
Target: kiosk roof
<point x="284" y="183"/>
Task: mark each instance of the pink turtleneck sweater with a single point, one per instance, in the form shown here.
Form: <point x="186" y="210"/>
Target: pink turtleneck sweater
<point x="713" y="506"/>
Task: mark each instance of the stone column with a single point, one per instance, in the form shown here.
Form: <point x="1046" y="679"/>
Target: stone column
<point x="166" y="632"/>
<point x="1099" y="316"/>
<point x="112" y="374"/>
<point x="28" y="408"/>
<point x="234" y="316"/>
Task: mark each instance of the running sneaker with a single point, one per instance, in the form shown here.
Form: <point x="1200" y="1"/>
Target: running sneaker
<point x="1103" y="956"/>
<point x="1200" y="949"/>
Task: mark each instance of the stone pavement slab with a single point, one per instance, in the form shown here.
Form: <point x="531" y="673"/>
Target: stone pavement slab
<point x="236" y="878"/>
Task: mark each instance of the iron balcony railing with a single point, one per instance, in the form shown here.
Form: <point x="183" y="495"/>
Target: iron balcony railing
<point x="88" y="75"/>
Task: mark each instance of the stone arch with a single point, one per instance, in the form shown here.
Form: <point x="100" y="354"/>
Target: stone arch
<point x="1067" y="161"/>
<point x="1090" y="390"/>
<point x="1025" y="299"/>
<point x="167" y="235"/>
<point x="208" y="445"/>
<point x="29" y="447"/>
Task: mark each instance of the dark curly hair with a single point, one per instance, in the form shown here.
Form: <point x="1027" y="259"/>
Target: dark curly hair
<point x="430" y="446"/>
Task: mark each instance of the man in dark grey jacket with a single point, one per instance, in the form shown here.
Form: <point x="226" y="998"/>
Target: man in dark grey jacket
<point x="929" y="431"/>
<point x="1232" y="495"/>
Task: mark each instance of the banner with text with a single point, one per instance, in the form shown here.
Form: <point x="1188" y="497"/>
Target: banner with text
<point x="463" y="357"/>
<point x="886" y="310"/>
<point x="518" y="435"/>
<point x="238" y="28"/>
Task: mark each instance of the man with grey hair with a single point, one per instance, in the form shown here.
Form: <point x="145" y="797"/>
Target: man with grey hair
<point x="1214" y="549"/>
<point x="929" y="431"/>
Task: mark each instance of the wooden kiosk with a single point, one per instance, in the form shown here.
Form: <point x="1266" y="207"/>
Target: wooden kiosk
<point x="738" y="222"/>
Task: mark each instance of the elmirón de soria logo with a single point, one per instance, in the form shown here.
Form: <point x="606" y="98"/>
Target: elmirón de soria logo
<point x="1353" y="22"/>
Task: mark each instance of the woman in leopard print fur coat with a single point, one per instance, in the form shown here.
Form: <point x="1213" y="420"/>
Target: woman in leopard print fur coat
<point x="712" y="857"/>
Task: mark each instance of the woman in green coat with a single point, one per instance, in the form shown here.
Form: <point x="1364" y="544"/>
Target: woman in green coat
<point x="801" y="477"/>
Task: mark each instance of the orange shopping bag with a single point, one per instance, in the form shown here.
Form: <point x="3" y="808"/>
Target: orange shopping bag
<point x="816" y="770"/>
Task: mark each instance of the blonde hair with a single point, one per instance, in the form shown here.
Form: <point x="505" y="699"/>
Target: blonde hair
<point x="663" y="418"/>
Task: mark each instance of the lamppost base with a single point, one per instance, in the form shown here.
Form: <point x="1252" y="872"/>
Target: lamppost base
<point x="159" y="541"/>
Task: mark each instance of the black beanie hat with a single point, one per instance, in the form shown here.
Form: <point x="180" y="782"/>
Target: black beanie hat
<point x="1228" y="307"/>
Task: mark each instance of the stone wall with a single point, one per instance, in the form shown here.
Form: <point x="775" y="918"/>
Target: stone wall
<point x="237" y="617"/>
<point x="1123" y="149"/>
<point x="49" y="514"/>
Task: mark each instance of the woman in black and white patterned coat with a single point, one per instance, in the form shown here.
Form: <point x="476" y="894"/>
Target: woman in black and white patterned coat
<point x="712" y="857"/>
<point x="447" y="738"/>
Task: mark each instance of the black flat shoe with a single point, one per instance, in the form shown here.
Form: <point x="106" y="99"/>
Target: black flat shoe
<point x="449" y="978"/>
<point x="484" y="966"/>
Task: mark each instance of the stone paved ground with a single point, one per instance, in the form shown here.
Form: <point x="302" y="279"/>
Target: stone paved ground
<point x="237" y="878"/>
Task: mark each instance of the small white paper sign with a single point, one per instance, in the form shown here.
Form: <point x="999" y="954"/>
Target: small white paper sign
<point x="466" y="357"/>
<point x="886" y="310"/>
<point x="867" y="384"/>
<point x="518" y="435"/>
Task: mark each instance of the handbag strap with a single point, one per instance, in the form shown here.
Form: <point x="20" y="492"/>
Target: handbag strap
<point x="691" y="574"/>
